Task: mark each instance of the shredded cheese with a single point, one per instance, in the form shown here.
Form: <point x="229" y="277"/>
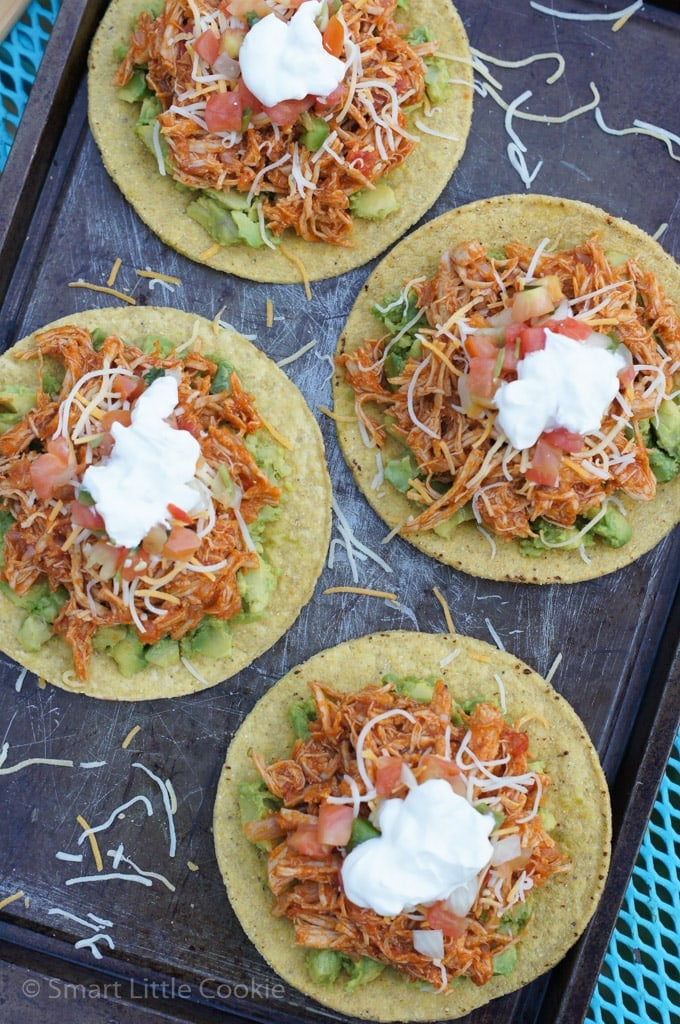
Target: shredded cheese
<point x="110" y="281"/>
<point x="296" y="355"/>
<point x="618" y="17"/>
<point x="447" y="611"/>
<point x="130" y="736"/>
<point x="208" y="253"/>
<point x="155" y="276"/>
<point x="103" y="288"/>
<point x="93" y="842"/>
<point x="388" y="595"/>
<point x="10" y="899"/>
<point x="270" y="313"/>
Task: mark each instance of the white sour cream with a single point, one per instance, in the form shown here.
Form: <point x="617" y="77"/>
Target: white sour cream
<point x="431" y="843"/>
<point x="567" y="384"/>
<point x="286" y="60"/>
<point x="150" y="466"/>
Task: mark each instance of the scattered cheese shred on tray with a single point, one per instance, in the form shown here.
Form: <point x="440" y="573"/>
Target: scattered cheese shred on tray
<point x="110" y="281"/>
<point x="361" y="590"/>
<point x="153" y="275"/>
<point x="10" y="899"/>
<point x="103" y="288"/>
<point x="93" y="842"/>
<point x="130" y="736"/>
<point x="445" y="607"/>
<point x="270" y="313"/>
<point x="296" y="355"/>
<point x="618" y="17"/>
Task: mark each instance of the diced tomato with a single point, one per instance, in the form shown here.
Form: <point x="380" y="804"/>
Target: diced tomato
<point x="135" y="563"/>
<point x="510" y="357"/>
<point x="511" y="333"/>
<point x="86" y="516"/>
<point x="531" y="339"/>
<point x="627" y="375"/>
<point x="481" y="345"/>
<point x="207" y="46"/>
<point x="440" y="916"/>
<point x="127" y="387"/>
<point x="335" y="824"/>
<point x="517" y="742"/>
<point x="334" y="36"/>
<point x="480" y="376"/>
<point x="53" y="469"/>
<point x="363" y="159"/>
<point x="123" y="416"/>
<point x="287" y="112"/>
<point x="305" y="840"/>
<point x="565" y="439"/>
<point x="249" y="100"/>
<point x="181" y="543"/>
<point x="545" y="464"/>
<point x="108" y="557"/>
<point x="388" y="774"/>
<point x="432" y="766"/>
<point x="178" y="513"/>
<point x="224" y="112"/>
<point x="333" y="99"/>
<point x="570" y="328"/>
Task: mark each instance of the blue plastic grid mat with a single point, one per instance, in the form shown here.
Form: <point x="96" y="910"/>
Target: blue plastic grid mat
<point x="640" y="978"/>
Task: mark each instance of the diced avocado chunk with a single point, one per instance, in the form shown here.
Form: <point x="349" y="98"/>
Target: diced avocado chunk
<point x="406" y="348"/>
<point x="164" y="653"/>
<point x="548" y="820"/>
<point x="255" y="801"/>
<point x="374" y="203"/>
<point x="396" y="311"/>
<point x="134" y="89"/>
<point x="615" y="258"/>
<point x="248" y="229"/>
<point x="98" y="336"/>
<point x="33" y="632"/>
<point x="399" y="472"/>
<point x="437" y="84"/>
<point x="39" y="599"/>
<point x="151" y="343"/>
<point x="211" y="638"/>
<point x="667" y="427"/>
<point x="505" y="962"/>
<point x="362" y="830"/>
<point x="268" y="455"/>
<point x="128" y="654"/>
<point x="419" y="35"/>
<point x="256" y="587"/>
<point x="301" y="714"/>
<point x="663" y="466"/>
<point x="517" y="918"/>
<point x="257" y="529"/>
<point x="613" y="528"/>
<point x="549" y="535"/>
<point x="222" y="379"/>
<point x="323" y="965"/>
<point x="107" y="637"/>
<point x="316" y="130"/>
<point x="230" y="199"/>
<point x="15" y="401"/>
<point x="6" y="521"/>
<point x="416" y="687"/>
<point x="150" y="109"/>
<point x="361" y="971"/>
<point x="215" y="219"/>
<point x="461" y="515"/>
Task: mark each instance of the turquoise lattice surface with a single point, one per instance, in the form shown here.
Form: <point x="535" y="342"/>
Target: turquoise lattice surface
<point x="640" y="978"/>
<point x="20" y="56"/>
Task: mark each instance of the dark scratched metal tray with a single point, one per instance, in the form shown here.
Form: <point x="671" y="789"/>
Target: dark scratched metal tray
<point x="178" y="954"/>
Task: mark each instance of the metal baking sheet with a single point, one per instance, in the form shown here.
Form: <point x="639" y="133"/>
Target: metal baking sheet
<point x="172" y="950"/>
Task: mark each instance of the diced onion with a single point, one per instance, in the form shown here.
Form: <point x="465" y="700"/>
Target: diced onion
<point x="460" y="901"/>
<point x="429" y="942"/>
<point x="505" y="849"/>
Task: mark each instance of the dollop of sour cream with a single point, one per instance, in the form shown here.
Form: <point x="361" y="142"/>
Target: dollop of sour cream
<point x="431" y="843"/>
<point x="149" y="467"/>
<point x="567" y="384"/>
<point x="285" y="60"/>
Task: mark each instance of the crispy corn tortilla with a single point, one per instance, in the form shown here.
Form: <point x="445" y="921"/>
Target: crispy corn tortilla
<point x="298" y="539"/>
<point x="497" y="221"/>
<point x="578" y="798"/>
<point x="161" y="205"/>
